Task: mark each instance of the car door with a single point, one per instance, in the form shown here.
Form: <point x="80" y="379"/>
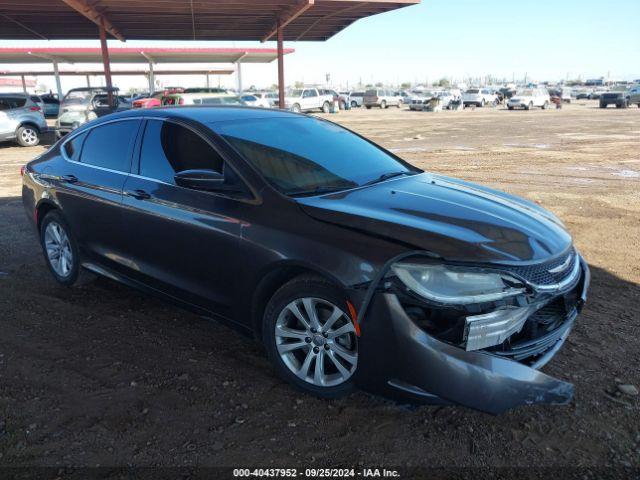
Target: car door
<point x="96" y="163"/>
<point x="183" y="241"/>
<point x="310" y="99"/>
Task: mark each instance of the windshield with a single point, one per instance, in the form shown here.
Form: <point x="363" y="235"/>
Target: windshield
<point x="473" y="90"/>
<point x="526" y="93"/>
<point x="78" y="98"/>
<point x="307" y="155"/>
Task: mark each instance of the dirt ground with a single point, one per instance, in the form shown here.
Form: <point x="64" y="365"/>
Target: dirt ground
<point x="103" y="375"/>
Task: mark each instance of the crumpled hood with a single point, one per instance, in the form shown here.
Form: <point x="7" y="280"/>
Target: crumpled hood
<point x="454" y="219"/>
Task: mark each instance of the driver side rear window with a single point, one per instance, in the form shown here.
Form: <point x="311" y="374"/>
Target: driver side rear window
<point x="169" y="148"/>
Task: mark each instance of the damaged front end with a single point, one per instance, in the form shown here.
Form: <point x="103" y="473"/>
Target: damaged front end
<point x="471" y="335"/>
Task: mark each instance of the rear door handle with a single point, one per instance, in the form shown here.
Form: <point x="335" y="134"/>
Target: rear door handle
<point x="137" y="194"/>
<point x="69" y="178"/>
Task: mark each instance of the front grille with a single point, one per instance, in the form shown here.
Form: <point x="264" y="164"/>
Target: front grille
<point x="539" y="274"/>
<point x="542" y="330"/>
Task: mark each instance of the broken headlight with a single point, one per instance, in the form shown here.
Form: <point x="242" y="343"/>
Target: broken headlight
<point x="455" y="286"/>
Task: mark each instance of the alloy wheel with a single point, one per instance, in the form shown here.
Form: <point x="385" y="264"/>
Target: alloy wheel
<point x="316" y="340"/>
<point x="58" y="248"/>
<point x="29" y="136"/>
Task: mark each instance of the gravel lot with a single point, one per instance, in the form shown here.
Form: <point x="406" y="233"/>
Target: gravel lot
<point x="103" y="375"/>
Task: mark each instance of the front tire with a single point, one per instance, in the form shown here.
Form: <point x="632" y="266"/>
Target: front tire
<point x="296" y="108"/>
<point x="354" y="104"/>
<point x="309" y="337"/>
<point x="383" y="104"/>
<point x="545" y="105"/>
<point x="326" y="108"/>
<point x="60" y="248"/>
<point x="28" y="136"/>
<point x="529" y="107"/>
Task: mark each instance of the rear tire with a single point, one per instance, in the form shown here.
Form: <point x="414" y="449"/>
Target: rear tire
<point x="545" y="105"/>
<point x="383" y="104"/>
<point x="326" y="108"/>
<point x="60" y="248"/>
<point x="603" y="105"/>
<point x="282" y="328"/>
<point x="529" y="107"/>
<point x="296" y="108"/>
<point x="509" y="107"/>
<point x="27" y="136"/>
<point x="354" y="104"/>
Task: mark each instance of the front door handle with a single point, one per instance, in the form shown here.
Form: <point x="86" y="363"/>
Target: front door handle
<point x="137" y="194"/>
<point x="69" y="178"/>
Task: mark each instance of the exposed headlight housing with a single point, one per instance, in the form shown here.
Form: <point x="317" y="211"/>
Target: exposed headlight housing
<point x="455" y="286"/>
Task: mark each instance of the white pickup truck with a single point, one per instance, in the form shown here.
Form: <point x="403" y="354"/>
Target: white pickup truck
<point x="307" y="99"/>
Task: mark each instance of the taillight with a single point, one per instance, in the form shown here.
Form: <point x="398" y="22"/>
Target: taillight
<point x="35" y="108"/>
<point x="22" y="169"/>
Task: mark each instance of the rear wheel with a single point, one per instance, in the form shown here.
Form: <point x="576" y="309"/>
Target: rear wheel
<point x="60" y="248"/>
<point x="603" y="105"/>
<point x="354" y="104"/>
<point x="529" y="107"/>
<point x="309" y="337"/>
<point x="383" y="104"/>
<point x="326" y="108"/>
<point x="545" y="105"/>
<point x="28" y="136"/>
<point x="295" y="108"/>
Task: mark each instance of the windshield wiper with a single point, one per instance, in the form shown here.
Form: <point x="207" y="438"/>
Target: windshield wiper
<point x="316" y="191"/>
<point x="387" y="176"/>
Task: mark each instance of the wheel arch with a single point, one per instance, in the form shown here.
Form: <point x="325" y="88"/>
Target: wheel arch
<point x="274" y="278"/>
<point x="28" y="123"/>
<point x="43" y="207"/>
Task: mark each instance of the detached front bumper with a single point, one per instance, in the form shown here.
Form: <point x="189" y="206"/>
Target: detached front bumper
<point x="398" y="358"/>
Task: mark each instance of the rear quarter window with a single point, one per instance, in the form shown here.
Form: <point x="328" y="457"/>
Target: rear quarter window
<point x="109" y="145"/>
<point x="73" y="147"/>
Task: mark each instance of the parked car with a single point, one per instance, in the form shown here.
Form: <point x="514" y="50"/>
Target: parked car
<point x="306" y="100"/>
<point x="270" y="97"/>
<point x="81" y="105"/>
<point x="367" y="272"/>
<point x="356" y="98"/>
<point x="421" y="101"/>
<point x="621" y="98"/>
<point x="154" y="100"/>
<point x="583" y="95"/>
<point x="342" y="100"/>
<point x="21" y="119"/>
<point x="202" y="99"/>
<point x="380" y="97"/>
<point x="479" y="97"/>
<point x="51" y="105"/>
<point x="255" y="101"/>
<point x="529" y="98"/>
<point x="634" y="95"/>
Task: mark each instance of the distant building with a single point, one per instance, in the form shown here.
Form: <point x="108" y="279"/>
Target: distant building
<point x="12" y="85"/>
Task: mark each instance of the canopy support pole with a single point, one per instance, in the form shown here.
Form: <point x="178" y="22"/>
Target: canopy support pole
<point x="106" y="63"/>
<point x="280" y="66"/>
<point x="152" y="79"/>
<point x="24" y="84"/>
<point x="208" y="83"/>
<point x="56" y="74"/>
<point x="88" y="81"/>
<point x="239" y="76"/>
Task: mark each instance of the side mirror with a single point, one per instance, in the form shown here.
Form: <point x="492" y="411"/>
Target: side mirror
<point x="200" y="179"/>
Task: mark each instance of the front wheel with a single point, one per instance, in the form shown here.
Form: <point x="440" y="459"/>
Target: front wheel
<point x="28" y="136"/>
<point x="296" y="108"/>
<point x="383" y="104"/>
<point x="545" y="105"/>
<point x="354" y="104"/>
<point x="60" y="248"/>
<point x="309" y="337"/>
<point x="326" y="108"/>
<point x="529" y="107"/>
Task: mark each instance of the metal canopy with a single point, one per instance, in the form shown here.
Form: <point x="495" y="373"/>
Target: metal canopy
<point x="314" y="20"/>
<point x="139" y="55"/>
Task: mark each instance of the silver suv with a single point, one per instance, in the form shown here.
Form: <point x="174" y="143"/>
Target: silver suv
<point x="21" y="119"/>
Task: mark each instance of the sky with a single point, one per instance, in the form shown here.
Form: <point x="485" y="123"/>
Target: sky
<point x="456" y="39"/>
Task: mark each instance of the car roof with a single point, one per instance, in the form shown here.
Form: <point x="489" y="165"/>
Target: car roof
<point x="203" y="113"/>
